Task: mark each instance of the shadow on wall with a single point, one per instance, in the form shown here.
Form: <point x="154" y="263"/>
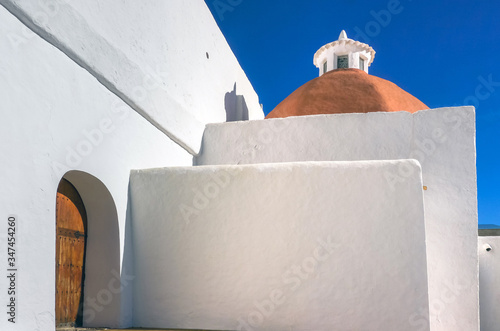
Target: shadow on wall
<point x="236" y="107"/>
<point x="102" y="284"/>
<point x="128" y="270"/>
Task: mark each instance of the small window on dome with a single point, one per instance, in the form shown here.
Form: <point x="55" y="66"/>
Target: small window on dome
<point x="362" y="64"/>
<point x="325" y="66"/>
<point x="343" y="62"/>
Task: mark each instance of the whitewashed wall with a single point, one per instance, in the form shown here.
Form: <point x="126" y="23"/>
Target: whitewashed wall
<point x="489" y="282"/>
<point x="167" y="59"/>
<point x="294" y="246"/>
<point x="71" y="97"/>
<point x="57" y="117"/>
<point x="442" y="140"/>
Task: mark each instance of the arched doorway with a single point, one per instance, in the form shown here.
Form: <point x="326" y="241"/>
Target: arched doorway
<point x="71" y="239"/>
<point x="101" y="282"/>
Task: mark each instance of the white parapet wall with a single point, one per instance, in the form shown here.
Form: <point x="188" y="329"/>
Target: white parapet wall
<point x="489" y="282"/>
<point x="292" y="246"/>
<point x="442" y="140"/>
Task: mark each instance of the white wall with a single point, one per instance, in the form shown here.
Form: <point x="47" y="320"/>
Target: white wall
<point x="153" y="54"/>
<point x="57" y="117"/>
<point x="442" y="140"/>
<point x="164" y="60"/>
<point x="489" y="282"/>
<point x="293" y="246"/>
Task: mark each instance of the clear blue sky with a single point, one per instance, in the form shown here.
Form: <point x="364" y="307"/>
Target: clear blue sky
<point x="439" y="51"/>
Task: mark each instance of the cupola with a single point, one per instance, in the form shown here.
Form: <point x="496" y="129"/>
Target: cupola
<point x="344" y="53"/>
<point x="344" y="85"/>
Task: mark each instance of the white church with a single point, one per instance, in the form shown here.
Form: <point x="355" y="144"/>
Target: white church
<point x="142" y="187"/>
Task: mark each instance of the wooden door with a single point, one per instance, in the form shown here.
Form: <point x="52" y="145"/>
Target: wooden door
<point x="71" y="227"/>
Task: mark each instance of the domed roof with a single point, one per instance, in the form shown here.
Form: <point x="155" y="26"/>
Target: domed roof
<point x="346" y="91"/>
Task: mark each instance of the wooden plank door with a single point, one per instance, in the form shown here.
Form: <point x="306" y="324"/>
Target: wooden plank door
<point x="71" y="225"/>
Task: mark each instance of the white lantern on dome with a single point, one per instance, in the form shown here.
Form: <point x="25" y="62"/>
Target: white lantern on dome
<point x="344" y="53"/>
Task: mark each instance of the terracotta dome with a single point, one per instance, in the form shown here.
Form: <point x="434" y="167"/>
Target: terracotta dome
<point x="346" y="91"/>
